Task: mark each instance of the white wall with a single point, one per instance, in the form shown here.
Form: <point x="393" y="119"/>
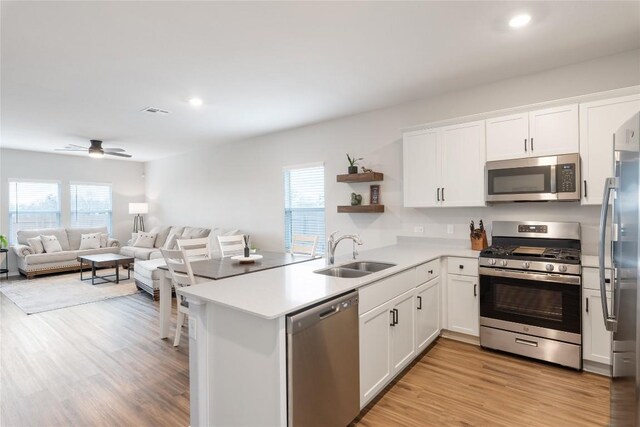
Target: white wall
<point x="239" y="184"/>
<point x="126" y="178"/>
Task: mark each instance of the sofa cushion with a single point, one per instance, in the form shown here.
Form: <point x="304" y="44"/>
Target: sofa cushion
<point x="170" y="244"/>
<point x="149" y="269"/>
<point x="195" y="233"/>
<point x="161" y="233"/>
<point x="90" y="241"/>
<point x="145" y="240"/>
<point x="50" y="257"/>
<point x="36" y="245"/>
<point x="50" y="244"/>
<point x="104" y="240"/>
<point x="60" y="233"/>
<point x="75" y="235"/>
<point x="138" y="253"/>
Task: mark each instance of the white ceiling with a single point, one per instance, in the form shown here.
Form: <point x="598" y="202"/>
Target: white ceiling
<point x="80" y="70"/>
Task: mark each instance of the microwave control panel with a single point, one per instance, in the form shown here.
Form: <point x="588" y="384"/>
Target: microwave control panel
<point x="566" y="178"/>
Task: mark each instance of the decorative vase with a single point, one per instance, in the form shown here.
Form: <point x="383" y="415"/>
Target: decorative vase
<point x="353" y="169"/>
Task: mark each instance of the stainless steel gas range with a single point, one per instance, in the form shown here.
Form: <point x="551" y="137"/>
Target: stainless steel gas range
<point x="530" y="291"/>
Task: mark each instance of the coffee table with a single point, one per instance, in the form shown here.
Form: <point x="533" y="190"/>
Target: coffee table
<point x="105" y="260"/>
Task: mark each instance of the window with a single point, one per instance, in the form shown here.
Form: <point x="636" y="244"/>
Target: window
<point x="90" y="205"/>
<point x="33" y="205"/>
<point x="304" y="204"/>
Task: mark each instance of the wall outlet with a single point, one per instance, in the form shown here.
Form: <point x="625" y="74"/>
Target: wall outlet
<point x="449" y="228"/>
<point x="192" y="328"/>
<point x="418" y="229"/>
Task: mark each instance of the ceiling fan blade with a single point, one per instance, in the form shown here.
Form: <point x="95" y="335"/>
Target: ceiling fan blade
<point x="113" y="150"/>
<point x="117" y="154"/>
<point x="76" y="146"/>
<point x="70" y="149"/>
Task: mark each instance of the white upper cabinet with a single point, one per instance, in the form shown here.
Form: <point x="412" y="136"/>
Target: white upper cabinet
<point x="445" y="166"/>
<point x="421" y="168"/>
<point x="553" y="131"/>
<point x="598" y="121"/>
<point x="533" y="134"/>
<point x="463" y="157"/>
<point x="507" y="137"/>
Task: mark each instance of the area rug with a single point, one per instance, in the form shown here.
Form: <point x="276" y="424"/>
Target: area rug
<point x="56" y="292"/>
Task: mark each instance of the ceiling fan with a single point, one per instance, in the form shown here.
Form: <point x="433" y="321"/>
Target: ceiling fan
<point x="95" y="150"/>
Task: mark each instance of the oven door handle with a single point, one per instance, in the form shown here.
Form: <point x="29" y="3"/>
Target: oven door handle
<point x="528" y="275"/>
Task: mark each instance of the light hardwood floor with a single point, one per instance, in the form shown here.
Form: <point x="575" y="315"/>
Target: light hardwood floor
<point x="102" y="364"/>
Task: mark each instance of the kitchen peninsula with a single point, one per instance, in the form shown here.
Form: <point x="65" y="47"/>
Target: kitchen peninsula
<point x="237" y="335"/>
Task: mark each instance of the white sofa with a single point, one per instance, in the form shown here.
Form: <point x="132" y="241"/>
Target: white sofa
<point x="31" y="264"/>
<point x="162" y="234"/>
<point x="146" y="273"/>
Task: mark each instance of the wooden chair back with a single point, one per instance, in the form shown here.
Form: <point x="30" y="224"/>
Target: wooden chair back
<point x="231" y="245"/>
<point x="179" y="266"/>
<point x="196" y="248"/>
<point x="303" y="244"/>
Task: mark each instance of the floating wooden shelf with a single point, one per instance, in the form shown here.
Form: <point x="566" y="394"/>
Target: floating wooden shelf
<point x="361" y="177"/>
<point x="361" y="209"/>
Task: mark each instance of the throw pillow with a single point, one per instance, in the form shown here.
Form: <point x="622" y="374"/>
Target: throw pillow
<point x="104" y="240"/>
<point x="36" y="244"/>
<point x="90" y="241"/>
<point x="145" y="240"/>
<point x="50" y="244"/>
<point x="170" y="244"/>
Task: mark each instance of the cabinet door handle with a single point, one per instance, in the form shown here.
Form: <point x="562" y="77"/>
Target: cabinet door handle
<point x="419" y="303"/>
<point x="587" y="302"/>
<point x="585" y="188"/>
<point x="395" y="310"/>
<point x="438" y="196"/>
<point x="525" y="145"/>
<point x="607" y="280"/>
<point x="461" y="267"/>
<point x="430" y="271"/>
<point x="532" y="145"/>
<point x="475" y="290"/>
<point x="393" y="318"/>
<point x="443" y="194"/>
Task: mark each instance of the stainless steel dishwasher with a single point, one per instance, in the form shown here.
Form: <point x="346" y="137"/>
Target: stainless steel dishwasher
<point x="323" y="364"/>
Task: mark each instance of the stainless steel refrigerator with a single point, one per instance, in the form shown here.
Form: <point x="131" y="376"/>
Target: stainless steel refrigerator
<point x="622" y="315"/>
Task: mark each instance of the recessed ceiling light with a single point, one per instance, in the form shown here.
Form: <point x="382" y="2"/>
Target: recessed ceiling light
<point x="519" y="21"/>
<point x="196" y="102"/>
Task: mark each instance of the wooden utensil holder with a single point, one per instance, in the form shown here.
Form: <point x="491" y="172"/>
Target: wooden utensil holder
<point x="478" y="244"/>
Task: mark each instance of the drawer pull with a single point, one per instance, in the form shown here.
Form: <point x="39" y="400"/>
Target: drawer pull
<point x="607" y="280"/>
<point x="430" y="271"/>
<point x="526" y="342"/>
<point x="461" y="267"/>
<point x="419" y="303"/>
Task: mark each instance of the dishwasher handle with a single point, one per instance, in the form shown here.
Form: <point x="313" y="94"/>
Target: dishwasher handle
<point x="304" y="319"/>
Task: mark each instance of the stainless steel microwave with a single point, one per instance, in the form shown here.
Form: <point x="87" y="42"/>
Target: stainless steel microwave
<point x="534" y="179"/>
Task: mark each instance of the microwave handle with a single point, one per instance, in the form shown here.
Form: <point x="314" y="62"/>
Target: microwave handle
<point x="553" y="178"/>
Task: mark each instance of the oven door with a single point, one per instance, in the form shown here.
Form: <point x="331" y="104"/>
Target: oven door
<point x="522" y="180"/>
<point x="541" y="304"/>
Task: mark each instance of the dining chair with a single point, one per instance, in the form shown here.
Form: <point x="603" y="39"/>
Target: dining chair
<point x="179" y="260"/>
<point x="231" y="245"/>
<point x="303" y="244"/>
<point x="196" y="249"/>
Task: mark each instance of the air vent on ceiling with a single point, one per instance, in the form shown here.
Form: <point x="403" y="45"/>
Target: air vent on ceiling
<point x="154" y="110"/>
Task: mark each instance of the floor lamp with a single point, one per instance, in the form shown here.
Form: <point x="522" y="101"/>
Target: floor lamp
<point x="138" y="209"/>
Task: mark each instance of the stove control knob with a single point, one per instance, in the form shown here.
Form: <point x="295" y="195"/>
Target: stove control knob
<point x="549" y="267"/>
<point x="525" y="264"/>
<point x="492" y="261"/>
<point x="503" y="263"/>
<point x="562" y="268"/>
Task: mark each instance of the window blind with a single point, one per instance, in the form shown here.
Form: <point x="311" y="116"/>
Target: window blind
<point x="90" y="205"/>
<point x="304" y="204"/>
<point x="33" y="205"/>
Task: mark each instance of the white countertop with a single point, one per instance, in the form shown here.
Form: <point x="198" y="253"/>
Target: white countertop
<point x="279" y="291"/>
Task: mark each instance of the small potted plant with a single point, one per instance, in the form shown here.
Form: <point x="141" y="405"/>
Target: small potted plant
<point x="353" y="163"/>
<point x="3" y="241"/>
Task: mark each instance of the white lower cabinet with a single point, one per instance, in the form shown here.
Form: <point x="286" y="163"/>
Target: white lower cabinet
<point x="596" y="340"/>
<point x="463" y="304"/>
<point x="403" y="345"/>
<point x="427" y="313"/>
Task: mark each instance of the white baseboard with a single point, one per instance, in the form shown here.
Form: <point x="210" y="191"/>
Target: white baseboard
<point x="457" y="336"/>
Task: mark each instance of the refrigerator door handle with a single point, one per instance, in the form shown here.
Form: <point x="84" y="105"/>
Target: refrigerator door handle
<point x="610" y="322"/>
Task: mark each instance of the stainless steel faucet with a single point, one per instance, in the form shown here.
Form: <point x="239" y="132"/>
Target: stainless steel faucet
<point x="333" y="242"/>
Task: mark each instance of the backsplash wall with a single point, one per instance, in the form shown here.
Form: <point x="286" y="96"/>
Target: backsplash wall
<point x="240" y="184"/>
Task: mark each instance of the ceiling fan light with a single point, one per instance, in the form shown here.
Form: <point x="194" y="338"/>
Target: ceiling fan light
<point x="96" y="154"/>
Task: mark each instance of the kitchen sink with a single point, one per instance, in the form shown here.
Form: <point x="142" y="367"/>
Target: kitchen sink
<point x="369" y="266"/>
<point x="343" y="272"/>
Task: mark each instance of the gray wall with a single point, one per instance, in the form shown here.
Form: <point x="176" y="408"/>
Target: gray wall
<point x="126" y="178"/>
<point x="239" y="184"/>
